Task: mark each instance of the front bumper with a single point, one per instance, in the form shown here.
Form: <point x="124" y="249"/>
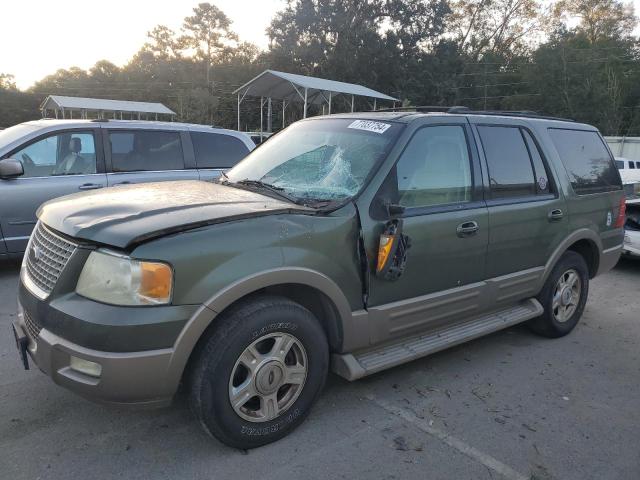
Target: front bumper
<point x="127" y="378"/>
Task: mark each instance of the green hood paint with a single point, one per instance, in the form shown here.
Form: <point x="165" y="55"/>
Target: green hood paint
<point x="127" y="215"/>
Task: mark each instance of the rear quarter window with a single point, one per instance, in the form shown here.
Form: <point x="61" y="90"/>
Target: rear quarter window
<point x="587" y="161"/>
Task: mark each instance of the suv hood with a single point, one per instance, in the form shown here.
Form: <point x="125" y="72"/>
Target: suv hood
<point x="126" y="215"/>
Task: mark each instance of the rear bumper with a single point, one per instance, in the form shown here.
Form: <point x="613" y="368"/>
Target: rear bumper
<point x="609" y="258"/>
<point x="131" y="378"/>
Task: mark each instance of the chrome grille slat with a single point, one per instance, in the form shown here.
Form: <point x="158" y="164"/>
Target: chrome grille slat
<point x="33" y="327"/>
<point x="53" y="254"/>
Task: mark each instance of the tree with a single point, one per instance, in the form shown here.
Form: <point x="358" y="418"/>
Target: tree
<point x="503" y="27"/>
<point x="163" y="43"/>
<point x="599" y="19"/>
<point x="208" y="32"/>
<point x="376" y="42"/>
<point x="7" y="82"/>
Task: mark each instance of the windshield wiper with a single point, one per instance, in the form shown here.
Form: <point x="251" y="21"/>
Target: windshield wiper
<point x="279" y="191"/>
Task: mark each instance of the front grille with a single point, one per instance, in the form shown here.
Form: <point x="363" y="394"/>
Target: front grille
<point x="33" y="327"/>
<point x="47" y="256"/>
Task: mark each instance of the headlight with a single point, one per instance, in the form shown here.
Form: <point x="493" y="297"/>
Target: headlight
<point x="120" y="280"/>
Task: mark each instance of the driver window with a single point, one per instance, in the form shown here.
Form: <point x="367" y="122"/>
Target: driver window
<point x="435" y="168"/>
<point x="68" y="153"/>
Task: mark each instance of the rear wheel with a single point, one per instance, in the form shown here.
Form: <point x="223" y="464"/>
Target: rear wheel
<point x="256" y="374"/>
<point x="563" y="297"/>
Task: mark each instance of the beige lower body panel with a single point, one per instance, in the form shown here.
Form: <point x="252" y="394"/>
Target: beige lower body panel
<point x="360" y="364"/>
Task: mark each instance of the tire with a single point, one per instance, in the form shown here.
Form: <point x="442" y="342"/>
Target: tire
<point x="561" y="317"/>
<point x="268" y="407"/>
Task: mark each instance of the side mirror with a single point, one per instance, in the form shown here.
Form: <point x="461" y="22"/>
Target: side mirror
<point x="10" y="168"/>
<point x="392" y="251"/>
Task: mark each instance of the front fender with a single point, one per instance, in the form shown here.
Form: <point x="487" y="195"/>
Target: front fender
<point x="222" y="299"/>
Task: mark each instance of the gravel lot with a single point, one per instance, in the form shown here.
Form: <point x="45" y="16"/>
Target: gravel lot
<point x="511" y="405"/>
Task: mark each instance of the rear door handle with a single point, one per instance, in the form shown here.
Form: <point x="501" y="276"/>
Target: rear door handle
<point x="555" y="215"/>
<point x="90" y="186"/>
<point x="467" y="229"/>
<point x="126" y="182"/>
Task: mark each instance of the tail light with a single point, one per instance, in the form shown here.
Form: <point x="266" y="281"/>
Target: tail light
<point x="620" y="220"/>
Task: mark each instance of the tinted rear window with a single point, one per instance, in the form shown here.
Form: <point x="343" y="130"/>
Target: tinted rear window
<point x="589" y="165"/>
<point x="214" y="150"/>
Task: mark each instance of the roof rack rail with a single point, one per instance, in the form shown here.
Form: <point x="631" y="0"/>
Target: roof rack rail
<point x="422" y="108"/>
<point x="468" y="111"/>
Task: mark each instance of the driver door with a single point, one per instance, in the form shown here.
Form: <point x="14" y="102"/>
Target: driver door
<point x="47" y="176"/>
<point x="437" y="180"/>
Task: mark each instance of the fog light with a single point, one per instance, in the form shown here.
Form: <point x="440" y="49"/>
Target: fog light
<point x="81" y="365"/>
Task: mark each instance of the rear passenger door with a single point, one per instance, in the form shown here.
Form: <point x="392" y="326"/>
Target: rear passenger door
<point x="527" y="213"/>
<point x="145" y="155"/>
<point x="216" y="152"/>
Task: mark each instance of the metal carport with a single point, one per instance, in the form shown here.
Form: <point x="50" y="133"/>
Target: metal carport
<point x="290" y="87"/>
<point x="62" y="105"/>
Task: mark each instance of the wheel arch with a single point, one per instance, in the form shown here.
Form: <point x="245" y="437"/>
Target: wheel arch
<point x="585" y="242"/>
<point x="312" y="289"/>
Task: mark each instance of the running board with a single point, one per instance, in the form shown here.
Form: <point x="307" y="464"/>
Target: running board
<point x="357" y="365"/>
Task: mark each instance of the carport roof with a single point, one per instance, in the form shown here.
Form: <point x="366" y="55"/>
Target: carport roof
<point x="290" y="86"/>
<point x="53" y="102"/>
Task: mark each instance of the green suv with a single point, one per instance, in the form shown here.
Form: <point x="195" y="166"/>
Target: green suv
<point x="349" y="242"/>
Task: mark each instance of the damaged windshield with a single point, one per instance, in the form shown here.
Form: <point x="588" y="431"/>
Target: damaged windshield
<point x="321" y="159"/>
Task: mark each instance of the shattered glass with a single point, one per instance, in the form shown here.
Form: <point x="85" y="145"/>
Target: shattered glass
<point x="317" y="159"/>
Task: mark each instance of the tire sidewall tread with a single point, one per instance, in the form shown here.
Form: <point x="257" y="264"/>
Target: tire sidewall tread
<point x="218" y="351"/>
<point x="546" y="325"/>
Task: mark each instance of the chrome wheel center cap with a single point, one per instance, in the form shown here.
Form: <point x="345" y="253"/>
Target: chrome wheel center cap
<point x="269" y="378"/>
<point x="566" y="296"/>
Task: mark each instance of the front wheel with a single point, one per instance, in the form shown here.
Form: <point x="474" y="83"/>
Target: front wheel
<point x="563" y="297"/>
<point x="258" y="371"/>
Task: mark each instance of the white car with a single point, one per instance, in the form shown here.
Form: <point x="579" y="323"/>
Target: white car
<point x="629" y="170"/>
<point x="632" y="230"/>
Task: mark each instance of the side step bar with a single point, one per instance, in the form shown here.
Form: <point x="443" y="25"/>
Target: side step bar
<point x="357" y="365"/>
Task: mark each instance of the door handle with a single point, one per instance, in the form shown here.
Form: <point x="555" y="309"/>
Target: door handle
<point x="466" y="229"/>
<point x="90" y="186"/>
<point x="555" y="215"/>
<point x="126" y="182"/>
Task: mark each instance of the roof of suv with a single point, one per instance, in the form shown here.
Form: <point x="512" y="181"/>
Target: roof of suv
<point x="409" y="116"/>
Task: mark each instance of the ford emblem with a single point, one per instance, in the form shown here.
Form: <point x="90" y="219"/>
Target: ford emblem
<point x="37" y="254"/>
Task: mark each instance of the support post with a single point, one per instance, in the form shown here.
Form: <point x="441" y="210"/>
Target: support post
<point x="284" y="107"/>
<point x="375" y="105"/>
<point x="330" y="102"/>
<point x="269" y="113"/>
<point x="352" y="103"/>
<point x="238" y="112"/>
<point x="261" y="109"/>
<point x="304" y="114"/>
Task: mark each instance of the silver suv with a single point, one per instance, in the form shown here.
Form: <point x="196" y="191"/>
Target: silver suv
<point x="45" y="159"/>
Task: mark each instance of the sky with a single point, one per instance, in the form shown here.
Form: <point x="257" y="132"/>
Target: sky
<point x="40" y="36"/>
